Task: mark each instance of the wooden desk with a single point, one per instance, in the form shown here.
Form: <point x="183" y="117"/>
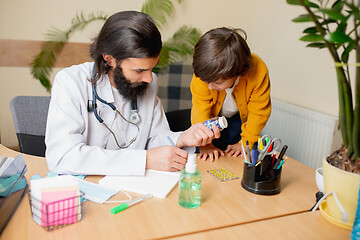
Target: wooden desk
<point x="309" y="225"/>
<point x="224" y="204"/>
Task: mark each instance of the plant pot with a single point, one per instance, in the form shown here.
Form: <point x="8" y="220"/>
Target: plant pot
<point x="346" y="186"/>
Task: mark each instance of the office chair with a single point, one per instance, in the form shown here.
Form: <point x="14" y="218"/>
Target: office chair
<point x="179" y="120"/>
<point x="30" y="115"/>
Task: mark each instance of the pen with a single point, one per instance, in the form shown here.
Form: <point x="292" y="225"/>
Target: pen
<point x="273" y="160"/>
<point x="248" y="149"/>
<point x="276" y="165"/>
<point x="271" y="147"/>
<point x="246" y="161"/>
<point x="261" y="144"/>
<point x="127" y="204"/>
<point x="254" y="153"/>
<point x="266" y="141"/>
<point x="283" y="150"/>
<point x="171" y="141"/>
<point x="282" y="162"/>
<point x="243" y="149"/>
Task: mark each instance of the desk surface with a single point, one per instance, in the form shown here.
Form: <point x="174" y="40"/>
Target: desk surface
<point x="224" y="204"/>
<point x="309" y="225"/>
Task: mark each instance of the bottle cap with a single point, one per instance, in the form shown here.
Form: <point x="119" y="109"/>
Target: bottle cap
<point x="223" y="122"/>
<point x="190" y="166"/>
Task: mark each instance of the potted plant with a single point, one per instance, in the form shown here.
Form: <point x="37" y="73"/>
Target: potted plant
<point x="335" y="25"/>
<point x="178" y="47"/>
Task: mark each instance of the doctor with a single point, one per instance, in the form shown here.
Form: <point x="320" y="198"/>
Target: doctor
<point x="105" y="117"/>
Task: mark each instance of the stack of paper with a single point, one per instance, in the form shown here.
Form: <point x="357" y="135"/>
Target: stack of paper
<point x="55" y="200"/>
<point x="10" y="166"/>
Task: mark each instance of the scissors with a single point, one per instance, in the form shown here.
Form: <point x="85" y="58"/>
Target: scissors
<point x="270" y="148"/>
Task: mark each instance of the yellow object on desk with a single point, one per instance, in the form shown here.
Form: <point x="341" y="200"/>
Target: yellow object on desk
<point x="223" y="174"/>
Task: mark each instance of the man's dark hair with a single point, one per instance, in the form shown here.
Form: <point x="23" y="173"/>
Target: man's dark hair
<point x="221" y="53"/>
<point x="127" y="34"/>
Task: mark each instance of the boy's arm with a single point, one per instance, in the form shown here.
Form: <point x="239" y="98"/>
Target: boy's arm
<point x="259" y="105"/>
<point x="202" y="101"/>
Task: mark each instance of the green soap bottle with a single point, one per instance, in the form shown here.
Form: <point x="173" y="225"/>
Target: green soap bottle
<point x="190" y="184"/>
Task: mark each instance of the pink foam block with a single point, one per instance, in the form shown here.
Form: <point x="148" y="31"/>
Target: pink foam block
<point x="59" y="207"/>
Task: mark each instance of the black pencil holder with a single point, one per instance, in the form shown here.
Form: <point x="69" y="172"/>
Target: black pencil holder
<point x="259" y="181"/>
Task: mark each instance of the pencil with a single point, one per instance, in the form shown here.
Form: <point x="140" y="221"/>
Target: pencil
<point x="248" y="148"/>
<point x="243" y="149"/>
<point x="171" y="141"/>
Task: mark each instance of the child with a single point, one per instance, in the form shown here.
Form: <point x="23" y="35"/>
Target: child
<point x="229" y="81"/>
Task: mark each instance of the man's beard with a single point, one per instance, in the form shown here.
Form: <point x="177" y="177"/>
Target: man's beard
<point x="129" y="91"/>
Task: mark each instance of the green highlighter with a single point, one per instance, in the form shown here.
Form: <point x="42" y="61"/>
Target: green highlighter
<point x="126" y="205"/>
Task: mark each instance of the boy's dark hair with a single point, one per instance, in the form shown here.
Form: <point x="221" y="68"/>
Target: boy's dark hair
<point x="221" y="53"/>
<point x="127" y="34"/>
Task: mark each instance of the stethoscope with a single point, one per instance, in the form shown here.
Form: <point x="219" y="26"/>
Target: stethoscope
<point x="134" y="116"/>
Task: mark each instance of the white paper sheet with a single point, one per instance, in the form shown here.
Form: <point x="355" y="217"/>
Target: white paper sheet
<point x="158" y="183"/>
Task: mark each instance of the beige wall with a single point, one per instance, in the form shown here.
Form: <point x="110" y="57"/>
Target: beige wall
<point x="299" y="75"/>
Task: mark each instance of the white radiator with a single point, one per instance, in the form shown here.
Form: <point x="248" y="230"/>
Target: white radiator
<point x="310" y="135"/>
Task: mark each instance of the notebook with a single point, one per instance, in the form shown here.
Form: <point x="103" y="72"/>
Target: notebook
<point x="158" y="183"/>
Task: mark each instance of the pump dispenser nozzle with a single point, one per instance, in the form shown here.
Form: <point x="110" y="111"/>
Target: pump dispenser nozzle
<point x="190" y="166"/>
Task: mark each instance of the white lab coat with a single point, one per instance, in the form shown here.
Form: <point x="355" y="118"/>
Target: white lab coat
<point x="75" y="139"/>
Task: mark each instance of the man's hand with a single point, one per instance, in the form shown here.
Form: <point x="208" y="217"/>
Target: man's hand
<point x="233" y="150"/>
<point x="210" y="152"/>
<point x="166" y="158"/>
<point x="197" y="135"/>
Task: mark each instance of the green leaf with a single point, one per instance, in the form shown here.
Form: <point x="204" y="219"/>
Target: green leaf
<point x="43" y="63"/>
<point x="332" y="14"/>
<point x="163" y="60"/>
<point x="312" y="5"/>
<point x="346" y="53"/>
<point x="357" y="16"/>
<point x="337" y="37"/>
<point x="354" y="9"/>
<point x="184" y="39"/>
<point x="327" y="21"/>
<point x="312" y="38"/>
<point x="159" y="10"/>
<point x="297" y="2"/>
<point x="316" y="45"/>
<point x="302" y="3"/>
<point x="338" y="6"/>
<point x="294" y="2"/>
<point x="303" y="18"/>
<point x="310" y="30"/>
<point x="342" y="27"/>
<point x="179" y="46"/>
